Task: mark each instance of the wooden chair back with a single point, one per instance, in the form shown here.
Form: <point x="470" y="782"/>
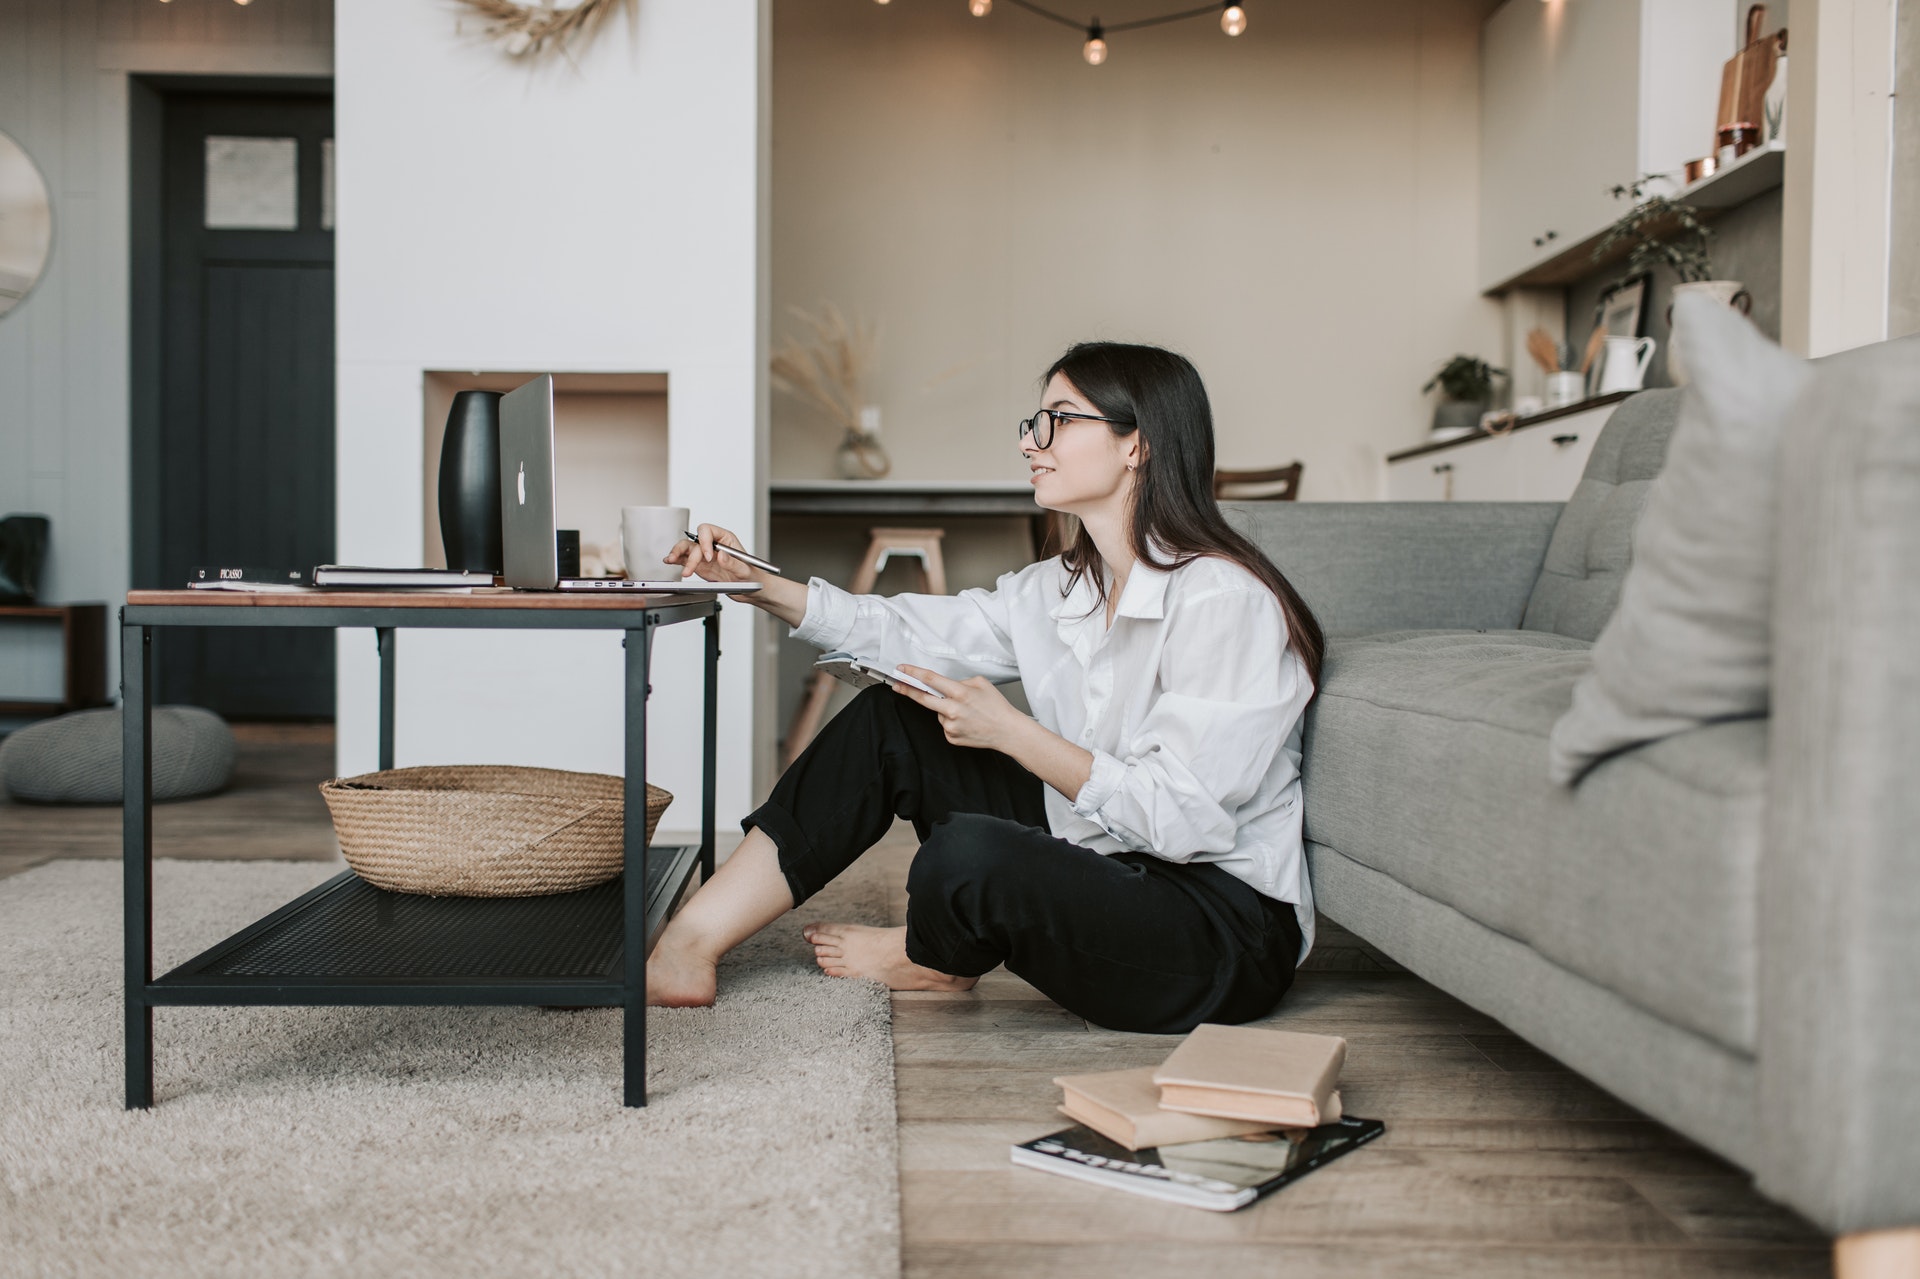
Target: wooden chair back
<point x="1281" y="484"/>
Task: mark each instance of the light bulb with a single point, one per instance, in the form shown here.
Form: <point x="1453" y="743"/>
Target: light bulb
<point x="1095" y="50"/>
<point x="980" y="8"/>
<point x="1233" y="20"/>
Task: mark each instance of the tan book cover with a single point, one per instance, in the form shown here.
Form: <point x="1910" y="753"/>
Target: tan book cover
<point x="1246" y="1072"/>
<point x="1124" y="1105"/>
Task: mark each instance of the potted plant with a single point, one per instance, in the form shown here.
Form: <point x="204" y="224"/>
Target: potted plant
<point x="1466" y="385"/>
<point x="1663" y="232"/>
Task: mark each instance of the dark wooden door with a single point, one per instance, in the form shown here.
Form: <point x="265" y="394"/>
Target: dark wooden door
<point x="245" y="464"/>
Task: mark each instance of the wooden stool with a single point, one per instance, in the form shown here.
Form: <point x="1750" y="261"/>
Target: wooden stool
<point x="922" y="544"/>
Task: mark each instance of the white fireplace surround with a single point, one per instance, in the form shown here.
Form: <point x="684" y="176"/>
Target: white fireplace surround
<point x="496" y="216"/>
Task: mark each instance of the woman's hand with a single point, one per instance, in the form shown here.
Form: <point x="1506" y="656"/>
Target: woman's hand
<point x="785" y="599"/>
<point x="703" y="560"/>
<point x="973" y="712"/>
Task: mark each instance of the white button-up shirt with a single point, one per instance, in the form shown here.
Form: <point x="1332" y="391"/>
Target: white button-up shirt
<point x="1191" y="702"/>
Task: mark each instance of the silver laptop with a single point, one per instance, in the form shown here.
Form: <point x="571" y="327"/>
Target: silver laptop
<point x="527" y="529"/>
<point x="527" y="541"/>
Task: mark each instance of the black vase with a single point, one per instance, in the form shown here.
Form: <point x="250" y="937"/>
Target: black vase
<point x="470" y="482"/>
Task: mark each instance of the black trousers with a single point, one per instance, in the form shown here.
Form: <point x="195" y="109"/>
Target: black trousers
<point x="1128" y="941"/>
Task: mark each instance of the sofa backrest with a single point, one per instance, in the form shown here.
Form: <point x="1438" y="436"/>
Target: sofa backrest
<point x="1365" y="567"/>
<point x="1593" y="541"/>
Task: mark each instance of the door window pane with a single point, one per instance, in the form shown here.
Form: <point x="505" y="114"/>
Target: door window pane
<point x="252" y="183"/>
<point x="326" y="184"/>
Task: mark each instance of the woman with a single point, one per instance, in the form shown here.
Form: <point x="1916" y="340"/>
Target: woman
<point x="1133" y="849"/>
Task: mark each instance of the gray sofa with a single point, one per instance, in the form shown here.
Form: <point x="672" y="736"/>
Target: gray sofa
<point x="1723" y="927"/>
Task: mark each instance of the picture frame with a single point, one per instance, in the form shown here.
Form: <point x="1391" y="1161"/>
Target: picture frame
<point x="1622" y="309"/>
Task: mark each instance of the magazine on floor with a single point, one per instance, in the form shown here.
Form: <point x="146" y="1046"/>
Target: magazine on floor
<point x="1220" y="1175"/>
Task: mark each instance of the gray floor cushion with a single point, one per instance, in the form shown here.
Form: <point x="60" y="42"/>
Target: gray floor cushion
<point x="75" y="759"/>
<point x="1426" y="761"/>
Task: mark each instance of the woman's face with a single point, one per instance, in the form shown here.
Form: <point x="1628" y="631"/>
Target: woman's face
<point x="1086" y="465"/>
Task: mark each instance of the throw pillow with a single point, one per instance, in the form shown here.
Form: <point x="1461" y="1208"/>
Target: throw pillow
<point x="1690" y="641"/>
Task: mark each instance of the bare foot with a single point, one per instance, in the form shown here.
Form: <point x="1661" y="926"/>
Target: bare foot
<point x="678" y="978"/>
<point x="854" y="950"/>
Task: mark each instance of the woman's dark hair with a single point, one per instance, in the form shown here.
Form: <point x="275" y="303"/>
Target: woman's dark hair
<point x="1174" y="510"/>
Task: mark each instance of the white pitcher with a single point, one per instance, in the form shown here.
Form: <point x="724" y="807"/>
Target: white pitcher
<point x="1624" y="365"/>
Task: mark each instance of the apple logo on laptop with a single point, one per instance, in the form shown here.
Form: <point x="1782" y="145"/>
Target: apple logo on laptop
<point x="523" y="484"/>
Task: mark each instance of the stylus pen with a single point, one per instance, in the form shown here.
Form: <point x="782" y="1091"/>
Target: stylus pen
<point x="738" y="554"/>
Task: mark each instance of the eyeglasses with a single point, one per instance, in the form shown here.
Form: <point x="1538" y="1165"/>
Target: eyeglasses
<point x="1041" y="425"/>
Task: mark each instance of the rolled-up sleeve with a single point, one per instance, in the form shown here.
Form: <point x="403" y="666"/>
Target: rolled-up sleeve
<point x="958" y="635"/>
<point x="1231" y="694"/>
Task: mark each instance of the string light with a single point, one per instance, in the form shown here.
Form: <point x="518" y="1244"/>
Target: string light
<point x="1233" y="21"/>
<point x="1095" y="50"/>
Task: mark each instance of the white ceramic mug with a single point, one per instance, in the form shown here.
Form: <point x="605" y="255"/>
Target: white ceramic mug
<point x="1567" y="387"/>
<point x="647" y="533"/>
<point x="1624" y="366"/>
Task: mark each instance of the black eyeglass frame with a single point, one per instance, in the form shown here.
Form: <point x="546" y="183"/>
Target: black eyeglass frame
<point x="1031" y="426"/>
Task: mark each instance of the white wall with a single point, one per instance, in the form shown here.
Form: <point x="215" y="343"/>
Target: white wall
<point x="64" y="351"/>
<point x="1836" y="209"/>
<point x="598" y="217"/>
<point x="1295" y="209"/>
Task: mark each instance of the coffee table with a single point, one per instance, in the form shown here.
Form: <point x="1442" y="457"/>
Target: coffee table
<point x="349" y="943"/>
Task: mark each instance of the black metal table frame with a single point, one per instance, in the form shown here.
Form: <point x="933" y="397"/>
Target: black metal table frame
<point x="628" y="992"/>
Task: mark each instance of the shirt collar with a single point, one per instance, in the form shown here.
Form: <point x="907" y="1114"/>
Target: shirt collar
<point x="1145" y="596"/>
<point x="1146" y="593"/>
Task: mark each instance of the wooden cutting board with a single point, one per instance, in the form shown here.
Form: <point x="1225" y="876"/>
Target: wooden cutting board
<point x="1744" y="80"/>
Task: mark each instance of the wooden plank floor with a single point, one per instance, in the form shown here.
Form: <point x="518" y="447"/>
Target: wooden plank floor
<point x="1497" y="1160"/>
<point x="271" y="809"/>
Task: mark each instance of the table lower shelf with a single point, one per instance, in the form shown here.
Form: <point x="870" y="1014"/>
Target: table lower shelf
<point x="347" y="942"/>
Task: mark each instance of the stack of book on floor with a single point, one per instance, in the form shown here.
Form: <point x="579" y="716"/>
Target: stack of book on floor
<point x="336" y="577"/>
<point x="1235" y="1113"/>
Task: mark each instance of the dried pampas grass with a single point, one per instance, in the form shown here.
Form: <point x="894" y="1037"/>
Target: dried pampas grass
<point x="529" y="30"/>
<point x="830" y="373"/>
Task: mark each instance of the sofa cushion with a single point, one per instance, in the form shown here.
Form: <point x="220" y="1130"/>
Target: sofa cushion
<point x="1690" y="641"/>
<point x="1423" y="754"/>
<point x="1588" y="556"/>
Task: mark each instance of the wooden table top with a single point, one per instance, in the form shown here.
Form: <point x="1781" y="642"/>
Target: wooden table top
<point x="480" y="597"/>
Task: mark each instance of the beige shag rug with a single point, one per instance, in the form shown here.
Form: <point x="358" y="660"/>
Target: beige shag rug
<point x="430" y="1141"/>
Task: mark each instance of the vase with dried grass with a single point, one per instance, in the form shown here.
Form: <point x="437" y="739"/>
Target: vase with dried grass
<point x="829" y="373"/>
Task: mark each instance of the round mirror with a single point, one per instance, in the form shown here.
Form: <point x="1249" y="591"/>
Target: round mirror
<point x="26" y="224"/>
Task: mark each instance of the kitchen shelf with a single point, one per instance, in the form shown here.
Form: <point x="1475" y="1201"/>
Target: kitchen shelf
<point x="1758" y="171"/>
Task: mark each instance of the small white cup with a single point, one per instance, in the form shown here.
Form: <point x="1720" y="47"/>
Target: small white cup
<point x="1564" y="388"/>
<point x="647" y="533"/>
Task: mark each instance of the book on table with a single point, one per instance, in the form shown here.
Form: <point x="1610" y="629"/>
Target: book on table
<point x="381" y="579"/>
<point x="1248" y="1072"/>
<point x="1221" y="1175"/>
<point x="246" y="578"/>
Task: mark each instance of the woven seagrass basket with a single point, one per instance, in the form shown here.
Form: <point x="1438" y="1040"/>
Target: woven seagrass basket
<point x="483" y="830"/>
